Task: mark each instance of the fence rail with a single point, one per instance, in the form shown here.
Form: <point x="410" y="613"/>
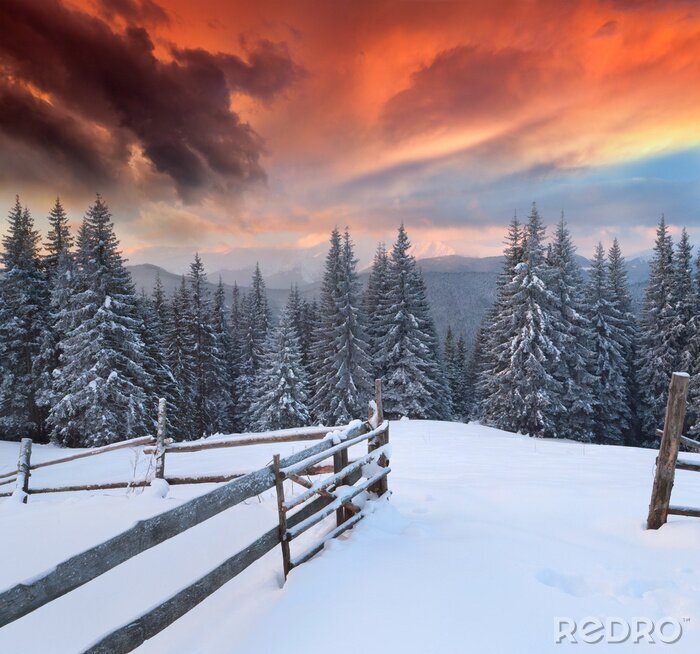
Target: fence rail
<point x="321" y="499"/>
<point x="158" y="446"/>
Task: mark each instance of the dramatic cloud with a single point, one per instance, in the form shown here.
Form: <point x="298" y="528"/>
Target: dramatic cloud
<point x="466" y="84"/>
<point x="447" y="115"/>
<point x="79" y="79"/>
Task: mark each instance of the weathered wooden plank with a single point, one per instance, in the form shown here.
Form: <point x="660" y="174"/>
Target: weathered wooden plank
<point x="140" y="629"/>
<point x="279" y="487"/>
<point x="684" y="510"/>
<point x="72" y="573"/>
<point x="378" y="401"/>
<point x="668" y="451"/>
<point x="160" y="440"/>
<point x="682" y="464"/>
<point x="351" y="438"/>
<point x="336" y="478"/>
<point x="112" y="485"/>
<point x="295" y="531"/>
<point x="134" y="442"/>
<point x="283" y="436"/>
<point x="24" y="467"/>
<point x="691" y="443"/>
<point x="340" y="529"/>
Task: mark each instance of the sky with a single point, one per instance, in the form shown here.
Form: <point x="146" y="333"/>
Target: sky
<point x="249" y="129"/>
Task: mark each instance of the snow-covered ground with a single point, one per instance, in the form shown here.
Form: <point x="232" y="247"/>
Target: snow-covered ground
<point x="487" y="539"/>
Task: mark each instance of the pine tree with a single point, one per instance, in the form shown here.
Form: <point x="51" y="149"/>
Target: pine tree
<point x="415" y="379"/>
<point x="209" y="371"/>
<point x="611" y="399"/>
<point x="658" y="355"/>
<point x="281" y="399"/>
<point x="467" y="376"/>
<point x="683" y="334"/>
<point x="622" y="301"/>
<point x="23" y="324"/>
<point x="234" y="359"/>
<point x="375" y="303"/>
<point x="573" y="339"/>
<point x="255" y="321"/>
<point x="59" y="267"/>
<point x="454" y="373"/>
<point x="488" y="362"/>
<point x="222" y="392"/>
<point x="525" y="395"/>
<point x="99" y="385"/>
<point x="161" y="381"/>
<point x="179" y="356"/>
<point x="342" y="382"/>
<point x="58" y="240"/>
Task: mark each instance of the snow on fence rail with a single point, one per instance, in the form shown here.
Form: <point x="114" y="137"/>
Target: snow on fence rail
<point x="667" y="462"/>
<point x="334" y="494"/>
<point x="158" y="446"/>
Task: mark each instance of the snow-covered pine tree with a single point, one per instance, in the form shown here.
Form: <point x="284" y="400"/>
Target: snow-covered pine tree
<point x="59" y="240"/>
<point x="342" y="383"/>
<point x="162" y="381"/>
<point x="573" y="339"/>
<point x="415" y="383"/>
<point x="222" y="393"/>
<point x="179" y="350"/>
<point x="99" y="385"/>
<point x="684" y="326"/>
<point x="454" y="371"/>
<point x="234" y="358"/>
<point x="308" y="320"/>
<point x="59" y="268"/>
<point x="280" y="387"/>
<point x="375" y="301"/>
<point x="467" y="375"/>
<point x="622" y="301"/>
<point x="611" y="403"/>
<point x="495" y="330"/>
<point x="255" y="322"/>
<point x="23" y="323"/>
<point x="525" y="397"/>
<point x="209" y="370"/>
<point x="658" y="355"/>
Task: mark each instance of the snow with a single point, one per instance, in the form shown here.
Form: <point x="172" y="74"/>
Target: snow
<point x="488" y="537"/>
<point x="159" y="488"/>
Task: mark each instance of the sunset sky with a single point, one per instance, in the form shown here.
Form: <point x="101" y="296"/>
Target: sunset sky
<point x="222" y="124"/>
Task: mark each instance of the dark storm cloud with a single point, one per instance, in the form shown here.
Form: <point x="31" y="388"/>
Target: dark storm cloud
<point x="268" y="71"/>
<point x="33" y="121"/>
<point x="144" y="12"/>
<point x="87" y="78"/>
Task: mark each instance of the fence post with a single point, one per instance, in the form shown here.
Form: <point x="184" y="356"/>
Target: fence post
<point x="382" y="486"/>
<point x="378" y="400"/>
<point x="668" y="451"/>
<point x="340" y="461"/>
<point x="160" y="440"/>
<point x="279" y="486"/>
<point x="24" y="467"/>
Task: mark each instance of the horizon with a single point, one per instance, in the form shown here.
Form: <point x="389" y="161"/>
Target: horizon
<point x="445" y="116"/>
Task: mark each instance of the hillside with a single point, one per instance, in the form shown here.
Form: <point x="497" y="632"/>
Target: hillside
<point x="488" y="537"/>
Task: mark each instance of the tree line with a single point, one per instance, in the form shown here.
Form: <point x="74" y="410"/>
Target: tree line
<point x="562" y="356"/>
<point x="84" y="356"/>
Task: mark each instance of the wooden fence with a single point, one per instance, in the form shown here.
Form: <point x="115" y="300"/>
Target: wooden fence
<point x="319" y="500"/>
<point x="667" y="462"/>
<point x="159" y="446"/>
